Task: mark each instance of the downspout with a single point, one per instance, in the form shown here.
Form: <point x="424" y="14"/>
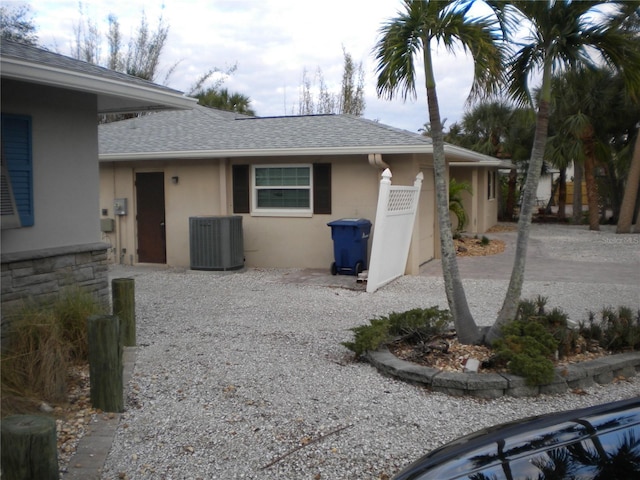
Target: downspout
<point x="222" y="179"/>
<point x="375" y="160"/>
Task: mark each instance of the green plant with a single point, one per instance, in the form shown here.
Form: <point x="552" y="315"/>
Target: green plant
<point x="369" y="337"/>
<point x="35" y="361"/>
<point x="72" y="308"/>
<point x="484" y="241"/>
<point x="413" y="325"/>
<point x="456" y="204"/>
<point x="615" y="330"/>
<point x="556" y="322"/>
<point x="526" y="347"/>
<point x="42" y="342"/>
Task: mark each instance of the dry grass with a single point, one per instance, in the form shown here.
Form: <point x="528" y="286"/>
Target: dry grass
<point x="44" y="341"/>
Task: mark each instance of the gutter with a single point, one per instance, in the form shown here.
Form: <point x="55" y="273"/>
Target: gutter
<point x="463" y="156"/>
<point x="21" y="70"/>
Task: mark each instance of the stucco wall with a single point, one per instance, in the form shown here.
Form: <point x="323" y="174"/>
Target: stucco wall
<point x="65" y="166"/>
<point x="63" y="246"/>
<point x="482" y="212"/>
<point x="204" y="188"/>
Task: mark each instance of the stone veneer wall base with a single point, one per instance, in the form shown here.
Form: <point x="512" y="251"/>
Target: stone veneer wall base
<point x="40" y="275"/>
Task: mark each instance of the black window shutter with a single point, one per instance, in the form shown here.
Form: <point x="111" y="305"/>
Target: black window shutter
<point x="322" y="188"/>
<point x="240" y="188"/>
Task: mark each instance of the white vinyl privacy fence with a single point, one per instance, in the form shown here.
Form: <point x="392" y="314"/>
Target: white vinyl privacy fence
<point x="395" y="217"/>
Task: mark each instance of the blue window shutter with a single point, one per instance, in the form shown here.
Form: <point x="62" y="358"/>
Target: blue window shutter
<point x="16" y="152"/>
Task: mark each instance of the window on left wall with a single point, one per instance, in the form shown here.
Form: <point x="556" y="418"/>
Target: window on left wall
<point x="17" y="172"/>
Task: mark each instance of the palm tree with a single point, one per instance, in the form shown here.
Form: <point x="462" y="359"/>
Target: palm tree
<point x="584" y="116"/>
<point x="416" y="28"/>
<point x="223" y="100"/>
<point x="561" y="35"/>
<point x="630" y="199"/>
<point x="498" y="129"/>
<point x="630" y="192"/>
<point x="456" y="202"/>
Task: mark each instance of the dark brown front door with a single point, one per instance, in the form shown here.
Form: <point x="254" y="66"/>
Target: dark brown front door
<point x="150" y="217"/>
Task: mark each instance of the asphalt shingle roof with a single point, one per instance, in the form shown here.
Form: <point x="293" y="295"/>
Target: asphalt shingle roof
<point x="209" y="130"/>
<point x="38" y="55"/>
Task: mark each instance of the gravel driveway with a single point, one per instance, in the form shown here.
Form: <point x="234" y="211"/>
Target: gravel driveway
<point x="242" y="375"/>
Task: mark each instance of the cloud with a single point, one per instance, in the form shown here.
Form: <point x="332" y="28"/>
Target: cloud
<point x="272" y="42"/>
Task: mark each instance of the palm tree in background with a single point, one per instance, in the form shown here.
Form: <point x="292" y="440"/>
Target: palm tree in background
<point x="498" y="129"/>
<point x="559" y="36"/>
<point x="419" y="26"/>
<point x="221" y="99"/>
<point x="583" y="110"/>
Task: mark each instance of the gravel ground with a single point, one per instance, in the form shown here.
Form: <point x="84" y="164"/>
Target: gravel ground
<point x="242" y="375"/>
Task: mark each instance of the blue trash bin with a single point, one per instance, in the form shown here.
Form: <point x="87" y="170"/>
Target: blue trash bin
<point x="350" y="243"/>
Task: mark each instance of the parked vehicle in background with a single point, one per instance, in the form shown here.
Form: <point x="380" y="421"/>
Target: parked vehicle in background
<point x="600" y="442"/>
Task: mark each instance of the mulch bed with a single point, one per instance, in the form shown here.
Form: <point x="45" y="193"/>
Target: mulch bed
<point x="445" y="353"/>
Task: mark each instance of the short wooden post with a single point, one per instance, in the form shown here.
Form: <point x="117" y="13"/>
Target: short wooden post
<point x="124" y="307"/>
<point x="29" y="448"/>
<point x="105" y="363"/>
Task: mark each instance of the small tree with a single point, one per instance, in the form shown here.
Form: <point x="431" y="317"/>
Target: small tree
<point x="16" y="24"/>
<point x="350" y="100"/>
<point x="352" y="93"/>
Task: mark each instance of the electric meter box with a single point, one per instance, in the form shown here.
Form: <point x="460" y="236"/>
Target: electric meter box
<point x="120" y="206"/>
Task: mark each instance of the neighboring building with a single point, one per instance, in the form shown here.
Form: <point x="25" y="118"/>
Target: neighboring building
<point x="482" y="205"/>
<point x="50" y="201"/>
<point x="286" y="176"/>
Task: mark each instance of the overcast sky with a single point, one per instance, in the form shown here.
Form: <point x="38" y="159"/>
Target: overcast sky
<point x="272" y="42"/>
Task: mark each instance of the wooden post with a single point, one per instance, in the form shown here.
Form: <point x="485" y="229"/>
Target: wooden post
<point x="105" y="363"/>
<point x="29" y="448"/>
<point x="124" y="307"/>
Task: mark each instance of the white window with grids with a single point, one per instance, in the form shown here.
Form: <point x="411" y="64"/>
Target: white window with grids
<point x="282" y="190"/>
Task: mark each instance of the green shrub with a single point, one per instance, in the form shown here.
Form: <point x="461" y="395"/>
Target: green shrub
<point x="413" y="326"/>
<point x="555" y="322"/>
<point x="369" y="337"/>
<point x="526" y="347"/>
<point x="615" y="330"/>
<point x="484" y="241"/>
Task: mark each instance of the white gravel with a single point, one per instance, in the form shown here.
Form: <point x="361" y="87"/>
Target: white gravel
<point x="242" y="375"/>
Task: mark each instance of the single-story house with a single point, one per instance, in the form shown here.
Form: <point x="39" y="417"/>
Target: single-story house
<point x="50" y="217"/>
<point x="287" y="177"/>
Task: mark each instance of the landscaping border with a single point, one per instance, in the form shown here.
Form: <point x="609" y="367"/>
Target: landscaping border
<point x="602" y="370"/>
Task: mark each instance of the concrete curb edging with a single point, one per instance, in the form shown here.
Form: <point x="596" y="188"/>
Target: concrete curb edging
<point x="493" y="385"/>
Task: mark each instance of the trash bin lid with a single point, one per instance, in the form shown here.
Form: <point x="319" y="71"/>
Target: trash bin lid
<point x="349" y="222"/>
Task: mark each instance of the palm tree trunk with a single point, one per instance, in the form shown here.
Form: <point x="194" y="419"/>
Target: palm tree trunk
<point x="562" y="194"/>
<point x="466" y="329"/>
<point x="511" y="195"/>
<point x="577" y="193"/>
<point x="630" y="192"/>
<point x="592" y="187"/>
<point x="514" y="291"/>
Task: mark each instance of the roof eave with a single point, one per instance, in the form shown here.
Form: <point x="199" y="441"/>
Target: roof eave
<point x="190" y="154"/>
<point x="145" y="98"/>
<point x="484" y="163"/>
